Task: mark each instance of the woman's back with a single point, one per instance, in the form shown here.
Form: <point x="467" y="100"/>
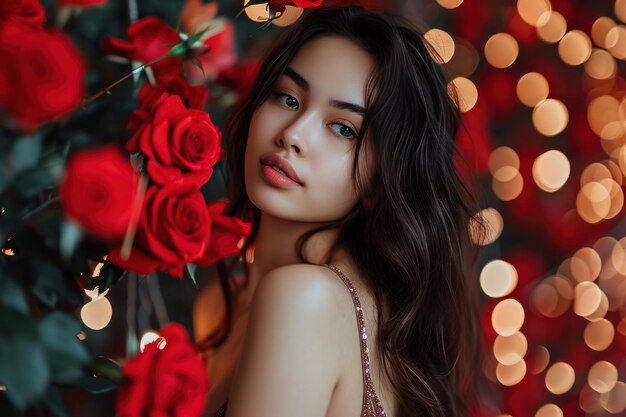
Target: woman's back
<point x="360" y="389"/>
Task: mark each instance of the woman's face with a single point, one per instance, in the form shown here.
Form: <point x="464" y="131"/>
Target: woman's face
<point x="302" y="139"/>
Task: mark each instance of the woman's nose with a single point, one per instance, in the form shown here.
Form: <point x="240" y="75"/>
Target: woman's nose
<point x="295" y="135"/>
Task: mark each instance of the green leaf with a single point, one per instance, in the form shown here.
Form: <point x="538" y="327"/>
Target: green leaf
<point x="11" y="294"/>
<point x="23" y="365"/>
<point x="108" y="369"/>
<point x="54" y="402"/>
<point x="48" y="287"/>
<point x="191" y="268"/>
<point x="26" y="152"/>
<point x="66" y="354"/>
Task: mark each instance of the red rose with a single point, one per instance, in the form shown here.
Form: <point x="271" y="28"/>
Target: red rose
<point x="98" y="191"/>
<point x="174" y="230"/>
<point x="41" y="74"/>
<point x="169" y="378"/>
<point x="240" y="77"/>
<point x="28" y="12"/>
<point x="181" y="144"/>
<point x="226" y="234"/>
<point x="82" y="3"/>
<point x="193" y="97"/>
<point x="221" y="52"/>
<point x="149" y="38"/>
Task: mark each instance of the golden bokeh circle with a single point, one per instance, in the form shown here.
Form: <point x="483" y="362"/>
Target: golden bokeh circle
<point x="549" y="410"/>
<point x="539" y="359"/>
<point x="508" y="350"/>
<point x="601" y="65"/>
<point x="560" y="378"/>
<point x="602" y="376"/>
<point x="501" y="50"/>
<point x="534" y="12"/>
<point x="587" y="298"/>
<point x="614" y="401"/>
<point x="616" y="38"/>
<point x="588" y="266"/>
<point x="450" y="4"/>
<point x="600" y="30"/>
<point x="510" y="189"/>
<point x="507" y="317"/>
<point x="551" y="170"/>
<point x="442" y="43"/>
<point x="498" y="278"/>
<point x="554" y="27"/>
<point x="550" y="117"/>
<point x="494" y="224"/>
<point x="589" y="400"/>
<point x="466" y="91"/>
<point x="599" y="334"/>
<point x="501" y="157"/>
<point x="509" y="375"/>
<point x="575" y="47"/>
<point x="593" y="202"/>
<point x="97" y="313"/>
<point x="532" y="88"/>
<point x="601" y="111"/>
<point x="620" y="10"/>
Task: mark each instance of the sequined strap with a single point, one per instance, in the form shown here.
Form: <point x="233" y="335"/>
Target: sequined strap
<point x="371" y="404"/>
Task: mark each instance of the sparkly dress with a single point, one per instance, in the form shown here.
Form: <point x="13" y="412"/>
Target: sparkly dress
<point x="371" y="405"/>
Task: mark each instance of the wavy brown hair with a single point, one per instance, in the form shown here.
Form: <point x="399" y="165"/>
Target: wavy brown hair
<point x="409" y="233"/>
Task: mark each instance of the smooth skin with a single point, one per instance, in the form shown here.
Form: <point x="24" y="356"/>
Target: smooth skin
<point x="294" y="349"/>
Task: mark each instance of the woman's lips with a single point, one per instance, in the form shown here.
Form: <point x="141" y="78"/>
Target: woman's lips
<point x="275" y="161"/>
<point x="277" y="179"/>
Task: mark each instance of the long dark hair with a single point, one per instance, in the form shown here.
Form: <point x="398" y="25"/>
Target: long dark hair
<point x="410" y="231"/>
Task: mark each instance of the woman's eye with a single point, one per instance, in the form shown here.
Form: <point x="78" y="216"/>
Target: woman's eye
<point x="343" y="130"/>
<point x="288" y="100"/>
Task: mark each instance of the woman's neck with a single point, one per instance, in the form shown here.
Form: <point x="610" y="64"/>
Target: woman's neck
<point x="276" y="244"/>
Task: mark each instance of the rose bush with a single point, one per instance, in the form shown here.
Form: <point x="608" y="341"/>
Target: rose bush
<point x="82" y="3"/>
<point x="166" y="379"/>
<point x="41" y="77"/>
<point x="193" y="97"/>
<point x="98" y="191"/>
<point x="174" y="229"/>
<point x="226" y="234"/>
<point x="181" y="144"/>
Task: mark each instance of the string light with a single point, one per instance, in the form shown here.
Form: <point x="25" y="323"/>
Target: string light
<point x="97" y="313"/>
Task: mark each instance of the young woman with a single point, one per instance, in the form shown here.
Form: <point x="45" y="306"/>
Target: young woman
<point x="358" y="300"/>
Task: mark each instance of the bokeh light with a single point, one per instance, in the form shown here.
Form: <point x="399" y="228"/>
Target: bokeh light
<point x="614" y="401"/>
<point x="509" y="350"/>
<point x="601" y="65"/>
<point x="560" y="378"/>
<point x="575" y="47"/>
<point x="501" y="50"/>
<point x="551" y="170"/>
<point x="450" y="4"/>
<point x="498" y="278"/>
<point x="442" y="43"/>
<point x="493" y="222"/>
<point x="550" y="117"/>
<point x="554" y="27"/>
<point x="599" y="334"/>
<point x="602" y="377"/>
<point x="599" y="31"/>
<point x="549" y="410"/>
<point x="507" y="317"/>
<point x="467" y="93"/>
<point x="532" y="89"/>
<point x="538" y="359"/>
<point x="509" y="375"/>
<point x="534" y="12"/>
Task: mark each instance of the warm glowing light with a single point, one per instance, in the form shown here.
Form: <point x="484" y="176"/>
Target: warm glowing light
<point x="8" y="252"/>
<point x="586" y="265"/>
<point x="507" y="317"/>
<point x="97" y="313"/>
<point x="594" y="172"/>
<point x="505" y="173"/>
<point x="587" y="298"/>
<point x="600" y="30"/>
<point x="466" y="91"/>
<point x="261" y="13"/>
<point x="602" y="111"/>
<point x="509" y="350"/>
<point x="450" y="4"/>
<point x="550" y="117"/>
<point x="599" y="334"/>
<point x="620" y="10"/>
<point x="602" y="376"/>
<point x="593" y="202"/>
<point x="501" y="50"/>
<point x="498" y="278"/>
<point x="616" y="196"/>
<point x="442" y="43"/>
<point x="601" y="65"/>
<point x="289" y="17"/>
<point x="575" y="47"/>
<point x="589" y="400"/>
<point x="81" y="336"/>
<point x="551" y="170"/>
<point x="465" y="59"/>
<point x="509" y="375"/>
<point x="560" y="378"/>
<point x="493" y="223"/>
<point x="615" y="400"/>
<point x="501" y="157"/>
<point x="617" y="38"/>
<point x="147" y="338"/>
<point x="549" y="410"/>
<point x="534" y="12"/>
<point x="532" y="89"/>
<point x="554" y="27"/>
<point x="539" y="359"/>
<point x="552" y="297"/>
<point x="510" y="189"/>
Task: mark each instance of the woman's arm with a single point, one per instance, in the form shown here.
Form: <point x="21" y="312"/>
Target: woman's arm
<point x="289" y="366"/>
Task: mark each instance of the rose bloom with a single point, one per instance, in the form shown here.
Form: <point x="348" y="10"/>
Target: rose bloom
<point x="193" y="97"/>
<point x="28" y="12"/>
<point x="41" y="77"/>
<point x="174" y="230"/>
<point x="98" y="191"/>
<point x="240" y="77"/>
<point x="166" y="379"/>
<point x="181" y="144"/>
<point x="227" y="234"/>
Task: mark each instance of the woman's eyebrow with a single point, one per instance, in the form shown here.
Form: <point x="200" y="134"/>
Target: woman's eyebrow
<point x="342" y="105"/>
